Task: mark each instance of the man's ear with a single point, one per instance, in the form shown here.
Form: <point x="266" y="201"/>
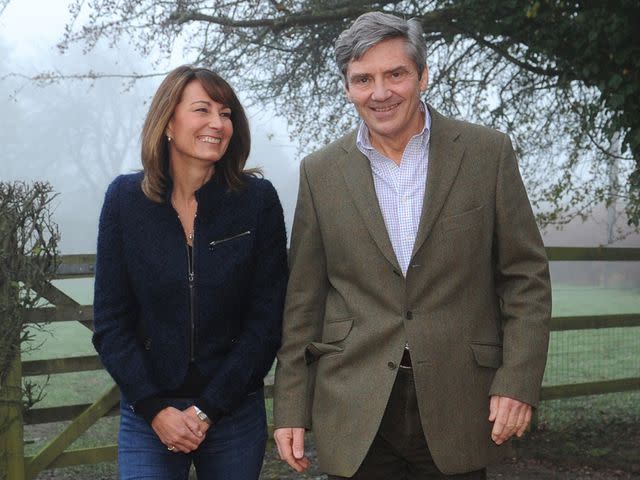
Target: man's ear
<point x="424" y="79"/>
<point x="346" y="91"/>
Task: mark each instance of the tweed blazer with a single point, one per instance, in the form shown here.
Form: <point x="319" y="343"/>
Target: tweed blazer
<point x="142" y="306"/>
<point x="474" y="305"/>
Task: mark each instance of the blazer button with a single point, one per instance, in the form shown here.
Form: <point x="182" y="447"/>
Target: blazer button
<point x="391" y="365"/>
<point x="409" y="315"/>
<point x="147" y="344"/>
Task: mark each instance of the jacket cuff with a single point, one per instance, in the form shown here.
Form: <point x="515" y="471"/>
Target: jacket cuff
<point x="149" y="407"/>
<point x="214" y="413"/>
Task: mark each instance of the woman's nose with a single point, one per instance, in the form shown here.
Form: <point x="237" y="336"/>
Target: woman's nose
<point x="215" y="121"/>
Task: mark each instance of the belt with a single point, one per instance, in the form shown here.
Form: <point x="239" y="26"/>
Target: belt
<point x="406" y="359"/>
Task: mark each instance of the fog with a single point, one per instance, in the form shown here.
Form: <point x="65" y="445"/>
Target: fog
<point x="80" y="134"/>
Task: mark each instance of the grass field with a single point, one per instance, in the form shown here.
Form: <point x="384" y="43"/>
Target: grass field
<point x="574" y="356"/>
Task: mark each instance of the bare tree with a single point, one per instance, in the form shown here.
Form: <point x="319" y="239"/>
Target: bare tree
<point x="3" y="5"/>
<point x="561" y="77"/>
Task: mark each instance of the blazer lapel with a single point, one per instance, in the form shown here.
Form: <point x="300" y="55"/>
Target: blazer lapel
<point x="359" y="180"/>
<point x="445" y="156"/>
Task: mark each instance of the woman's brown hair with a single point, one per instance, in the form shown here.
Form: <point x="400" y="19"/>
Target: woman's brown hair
<point x="155" y="147"/>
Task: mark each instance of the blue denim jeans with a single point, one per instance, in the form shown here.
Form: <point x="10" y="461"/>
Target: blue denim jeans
<point x="233" y="448"/>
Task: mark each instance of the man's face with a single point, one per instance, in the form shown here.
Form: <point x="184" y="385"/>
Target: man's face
<point x="385" y="88"/>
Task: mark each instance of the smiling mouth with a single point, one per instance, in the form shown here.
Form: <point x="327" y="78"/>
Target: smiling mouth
<point x="210" y="139"/>
<point x="387" y="108"/>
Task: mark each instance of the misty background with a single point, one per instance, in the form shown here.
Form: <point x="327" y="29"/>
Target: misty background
<point x="78" y="134"/>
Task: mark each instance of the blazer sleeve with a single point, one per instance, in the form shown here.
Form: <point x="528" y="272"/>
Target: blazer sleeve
<point x="522" y="285"/>
<point x="115" y="307"/>
<point x="304" y="313"/>
<point x="253" y="354"/>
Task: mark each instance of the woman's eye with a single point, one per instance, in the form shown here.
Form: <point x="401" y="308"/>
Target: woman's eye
<point x="225" y="114"/>
<point x="203" y="110"/>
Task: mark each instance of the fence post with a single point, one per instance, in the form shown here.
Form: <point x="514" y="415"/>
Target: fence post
<point x="11" y="423"/>
<point x="11" y="420"/>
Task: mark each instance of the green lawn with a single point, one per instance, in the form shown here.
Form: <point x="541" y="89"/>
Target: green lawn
<point x="571" y="300"/>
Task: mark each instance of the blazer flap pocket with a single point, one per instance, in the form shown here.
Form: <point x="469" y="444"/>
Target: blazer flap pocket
<point x="315" y="350"/>
<point x="462" y="220"/>
<point x="487" y="355"/>
<point x="336" y="330"/>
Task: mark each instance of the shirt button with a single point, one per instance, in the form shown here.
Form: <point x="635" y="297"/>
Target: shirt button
<point x="391" y="365"/>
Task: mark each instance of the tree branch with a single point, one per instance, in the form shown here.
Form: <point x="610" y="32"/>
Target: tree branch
<point x="549" y="72"/>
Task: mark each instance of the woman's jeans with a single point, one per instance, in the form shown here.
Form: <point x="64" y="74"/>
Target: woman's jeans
<point x="233" y="448"/>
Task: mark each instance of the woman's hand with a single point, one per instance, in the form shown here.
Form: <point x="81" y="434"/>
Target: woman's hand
<point x="179" y="429"/>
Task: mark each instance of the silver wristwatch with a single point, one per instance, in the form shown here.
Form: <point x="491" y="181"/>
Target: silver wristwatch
<point x="201" y="415"/>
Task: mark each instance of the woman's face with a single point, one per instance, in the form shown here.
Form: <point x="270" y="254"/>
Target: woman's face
<point x="200" y="128"/>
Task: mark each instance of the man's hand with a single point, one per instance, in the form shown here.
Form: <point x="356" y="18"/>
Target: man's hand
<point x="509" y="416"/>
<point x="179" y="430"/>
<point x="290" y="443"/>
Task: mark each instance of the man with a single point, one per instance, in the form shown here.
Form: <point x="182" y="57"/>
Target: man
<point x="415" y="328"/>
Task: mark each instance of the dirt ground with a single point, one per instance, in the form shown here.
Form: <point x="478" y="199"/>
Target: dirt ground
<point x="542" y="456"/>
<point x="598" y="439"/>
<point x="587" y="454"/>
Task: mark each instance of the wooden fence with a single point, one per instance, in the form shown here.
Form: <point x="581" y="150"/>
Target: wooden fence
<point x="56" y="454"/>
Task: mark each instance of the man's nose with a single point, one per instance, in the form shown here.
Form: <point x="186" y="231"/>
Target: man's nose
<point x="380" y="90"/>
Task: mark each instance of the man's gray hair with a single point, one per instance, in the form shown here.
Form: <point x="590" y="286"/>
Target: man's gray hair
<point x="371" y="28"/>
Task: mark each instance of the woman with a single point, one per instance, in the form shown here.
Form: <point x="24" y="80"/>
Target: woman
<point x="190" y="280"/>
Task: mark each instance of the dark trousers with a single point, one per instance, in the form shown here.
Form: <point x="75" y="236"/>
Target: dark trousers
<point x="399" y="450"/>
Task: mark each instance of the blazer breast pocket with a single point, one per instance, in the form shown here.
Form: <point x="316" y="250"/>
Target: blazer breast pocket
<point x="332" y="333"/>
<point x="462" y="221"/>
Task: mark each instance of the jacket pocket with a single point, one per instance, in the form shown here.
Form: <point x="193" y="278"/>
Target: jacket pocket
<point x="229" y="238"/>
<point x="336" y="330"/>
<point x="462" y="221"/>
<point x="333" y="332"/>
<point x="315" y="350"/>
<point x="487" y="355"/>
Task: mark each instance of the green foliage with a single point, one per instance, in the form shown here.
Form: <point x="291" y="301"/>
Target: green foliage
<point x="594" y="43"/>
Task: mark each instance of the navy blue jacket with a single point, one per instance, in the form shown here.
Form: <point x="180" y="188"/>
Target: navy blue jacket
<point x="142" y="308"/>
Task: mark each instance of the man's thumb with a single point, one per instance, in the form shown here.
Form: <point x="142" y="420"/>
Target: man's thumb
<point x="298" y="445"/>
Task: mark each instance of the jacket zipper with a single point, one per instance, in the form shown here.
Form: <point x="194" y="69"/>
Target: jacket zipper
<point x="222" y="240"/>
<point x="192" y="293"/>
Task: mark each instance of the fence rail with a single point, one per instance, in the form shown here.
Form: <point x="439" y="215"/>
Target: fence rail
<point x="82" y="416"/>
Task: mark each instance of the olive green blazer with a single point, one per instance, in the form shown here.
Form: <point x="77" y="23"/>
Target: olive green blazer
<point x="474" y="306"/>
